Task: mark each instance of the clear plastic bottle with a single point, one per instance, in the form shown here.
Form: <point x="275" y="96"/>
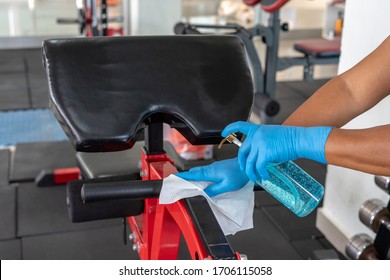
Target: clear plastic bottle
<point x="293" y="187"/>
<point x="289" y="184"/>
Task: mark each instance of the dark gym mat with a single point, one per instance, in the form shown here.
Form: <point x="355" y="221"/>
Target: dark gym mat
<point x="292" y="226"/>
<point x="11" y="249"/>
<point x="325" y="243"/>
<point x="4" y="167"/>
<point x="326" y="254"/>
<point x="305" y="89"/>
<point x="291" y="94"/>
<point x="38" y="88"/>
<point x="306" y="247"/>
<point x="14" y="99"/>
<point x="13" y="81"/>
<point x="97" y="244"/>
<point x="33" y="58"/>
<point x="7" y="213"/>
<point x="37" y="78"/>
<point x="283" y="91"/>
<point x="31" y="158"/>
<point x="287" y="107"/>
<point x="264" y="199"/>
<point x="13" y="91"/>
<point x="263" y="242"/>
<point x="44" y="210"/>
<point x="11" y="62"/>
<point x="40" y="97"/>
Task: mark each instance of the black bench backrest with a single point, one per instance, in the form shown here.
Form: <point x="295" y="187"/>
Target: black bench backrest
<point x="104" y="90"/>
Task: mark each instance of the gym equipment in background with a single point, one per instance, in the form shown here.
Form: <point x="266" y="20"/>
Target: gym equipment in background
<point x="94" y="20"/>
<point x="314" y="52"/>
<point x="376" y="216"/>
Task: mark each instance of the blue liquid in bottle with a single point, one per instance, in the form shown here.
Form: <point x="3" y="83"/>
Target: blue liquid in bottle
<point x="289" y="184"/>
<point x="293" y="187"/>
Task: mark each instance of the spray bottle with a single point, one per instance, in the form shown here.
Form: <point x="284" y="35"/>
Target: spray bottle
<point x="289" y="184"/>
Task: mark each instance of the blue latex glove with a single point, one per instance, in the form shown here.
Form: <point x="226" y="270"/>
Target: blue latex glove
<point x="226" y="175"/>
<point x="266" y="144"/>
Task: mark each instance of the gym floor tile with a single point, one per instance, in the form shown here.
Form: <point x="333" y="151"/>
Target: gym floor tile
<point x="11" y="64"/>
<point x="306" y="247"/>
<point x="11" y="249"/>
<point x="264" y="199"/>
<point x="31" y="158"/>
<point x="33" y="58"/>
<point x="325" y="243"/>
<point x="14" y="99"/>
<point x="306" y="89"/>
<point x="292" y="226"/>
<point x="40" y="96"/>
<point x="44" y="210"/>
<point x="37" y="78"/>
<point x="7" y="213"/>
<point x="4" y="167"/>
<point x="263" y="242"/>
<point x="96" y="244"/>
<point x="13" y="81"/>
<point x="284" y="91"/>
<point x="287" y="107"/>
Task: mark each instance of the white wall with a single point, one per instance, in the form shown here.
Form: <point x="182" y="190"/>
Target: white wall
<point x="154" y="17"/>
<point x="366" y="25"/>
<point x="304" y="14"/>
<point x="18" y="19"/>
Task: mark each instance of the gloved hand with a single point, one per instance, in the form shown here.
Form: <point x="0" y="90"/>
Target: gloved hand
<point x="266" y="144"/>
<point x="226" y="175"/>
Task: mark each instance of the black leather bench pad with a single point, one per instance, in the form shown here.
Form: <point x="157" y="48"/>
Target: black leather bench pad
<point x="103" y="90"/>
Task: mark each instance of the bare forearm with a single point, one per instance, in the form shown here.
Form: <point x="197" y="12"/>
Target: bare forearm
<point x="366" y="150"/>
<point x="348" y="95"/>
<point x="331" y="105"/>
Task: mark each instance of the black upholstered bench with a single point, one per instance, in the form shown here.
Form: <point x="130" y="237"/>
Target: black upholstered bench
<point x="106" y="92"/>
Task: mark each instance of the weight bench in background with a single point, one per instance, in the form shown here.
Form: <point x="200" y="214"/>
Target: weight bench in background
<point x="105" y="92"/>
<point x="317" y="52"/>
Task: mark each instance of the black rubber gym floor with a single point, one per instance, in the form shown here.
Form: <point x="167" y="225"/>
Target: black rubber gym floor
<point x="24" y="165"/>
<point x="34" y="221"/>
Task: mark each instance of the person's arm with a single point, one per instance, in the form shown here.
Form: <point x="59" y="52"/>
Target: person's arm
<point x="342" y="99"/>
<point x="308" y="132"/>
<point x="366" y="150"/>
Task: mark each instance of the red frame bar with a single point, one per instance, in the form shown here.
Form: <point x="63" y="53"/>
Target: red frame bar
<point x="64" y="175"/>
<point x="158" y="229"/>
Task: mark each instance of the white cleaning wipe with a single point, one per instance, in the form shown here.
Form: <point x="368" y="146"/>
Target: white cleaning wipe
<point x="233" y="210"/>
